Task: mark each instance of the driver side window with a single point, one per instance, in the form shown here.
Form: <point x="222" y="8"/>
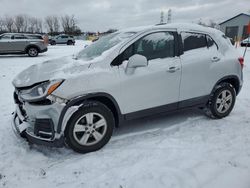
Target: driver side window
<point x="152" y="46"/>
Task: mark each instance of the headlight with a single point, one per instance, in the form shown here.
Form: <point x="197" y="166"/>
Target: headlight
<point x="40" y="91"/>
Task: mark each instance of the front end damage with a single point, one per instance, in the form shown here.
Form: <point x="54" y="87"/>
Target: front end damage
<point x="39" y="121"/>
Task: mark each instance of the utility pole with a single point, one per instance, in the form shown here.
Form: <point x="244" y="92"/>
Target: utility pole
<point x="169" y="16"/>
<point x="162" y="17"/>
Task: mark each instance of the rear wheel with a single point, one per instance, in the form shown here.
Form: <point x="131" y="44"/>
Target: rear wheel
<point x="33" y="52"/>
<point x="221" y="102"/>
<point x="90" y="128"/>
<point x="53" y="43"/>
<point x="70" y="42"/>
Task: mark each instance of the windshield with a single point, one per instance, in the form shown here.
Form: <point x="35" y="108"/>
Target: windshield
<point x="103" y="44"/>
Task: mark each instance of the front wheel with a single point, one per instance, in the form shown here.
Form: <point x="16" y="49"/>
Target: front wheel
<point x="221" y="102"/>
<point x="90" y="128"/>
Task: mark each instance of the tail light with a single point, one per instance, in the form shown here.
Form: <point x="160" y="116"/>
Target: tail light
<point x="241" y="61"/>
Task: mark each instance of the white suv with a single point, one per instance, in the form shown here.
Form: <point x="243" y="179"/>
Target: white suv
<point x="126" y="75"/>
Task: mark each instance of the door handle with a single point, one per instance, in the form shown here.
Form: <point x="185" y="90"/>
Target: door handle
<point x="215" y="59"/>
<point x="173" y="69"/>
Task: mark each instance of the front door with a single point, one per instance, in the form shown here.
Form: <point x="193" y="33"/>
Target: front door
<point x="5" y="43"/>
<point x="156" y="85"/>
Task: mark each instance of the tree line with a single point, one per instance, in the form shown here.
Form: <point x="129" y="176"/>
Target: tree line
<point x="53" y="25"/>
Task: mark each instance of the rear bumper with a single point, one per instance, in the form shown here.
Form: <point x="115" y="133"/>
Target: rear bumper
<point x="22" y="129"/>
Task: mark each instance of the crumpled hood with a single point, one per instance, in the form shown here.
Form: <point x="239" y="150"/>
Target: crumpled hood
<point x="50" y="70"/>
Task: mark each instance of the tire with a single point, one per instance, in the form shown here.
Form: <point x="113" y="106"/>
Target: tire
<point x="52" y="43"/>
<point x="33" y="52"/>
<point x="82" y="133"/>
<point x="221" y="102"/>
<point x="70" y="42"/>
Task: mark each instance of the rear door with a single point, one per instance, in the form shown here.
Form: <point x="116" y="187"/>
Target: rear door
<point x="199" y="62"/>
<point x="19" y="43"/>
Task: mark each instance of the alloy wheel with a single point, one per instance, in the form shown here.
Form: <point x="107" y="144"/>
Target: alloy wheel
<point x="33" y="52"/>
<point x="90" y="129"/>
<point x="224" y="101"/>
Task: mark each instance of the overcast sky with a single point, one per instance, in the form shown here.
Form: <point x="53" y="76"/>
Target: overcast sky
<point x="101" y="15"/>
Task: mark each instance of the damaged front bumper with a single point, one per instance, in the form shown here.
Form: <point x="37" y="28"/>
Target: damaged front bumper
<point x="44" y="122"/>
<point x="37" y="127"/>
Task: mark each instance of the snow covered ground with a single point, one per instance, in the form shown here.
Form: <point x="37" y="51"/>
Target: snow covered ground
<point x="180" y="150"/>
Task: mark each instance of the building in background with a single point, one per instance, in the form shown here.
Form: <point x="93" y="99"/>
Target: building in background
<point x="236" y="27"/>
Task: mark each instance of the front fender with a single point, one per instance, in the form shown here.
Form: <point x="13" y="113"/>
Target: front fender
<point x="74" y="104"/>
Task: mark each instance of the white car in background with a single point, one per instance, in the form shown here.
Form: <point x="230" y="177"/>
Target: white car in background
<point x="62" y="39"/>
<point x="245" y="42"/>
<point x="129" y="74"/>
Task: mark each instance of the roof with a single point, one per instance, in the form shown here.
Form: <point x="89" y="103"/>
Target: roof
<point x="175" y="26"/>
<point x="21" y="34"/>
<point x="235" y="17"/>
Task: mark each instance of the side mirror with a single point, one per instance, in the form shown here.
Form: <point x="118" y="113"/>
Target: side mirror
<point x="136" y="61"/>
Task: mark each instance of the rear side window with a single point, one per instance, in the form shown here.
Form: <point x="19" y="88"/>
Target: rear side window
<point x="34" y="37"/>
<point x="193" y="41"/>
<point x="19" y="36"/>
<point x="64" y="37"/>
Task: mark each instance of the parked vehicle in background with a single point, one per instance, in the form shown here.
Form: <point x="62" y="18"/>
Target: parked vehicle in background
<point x="92" y="38"/>
<point x="18" y="43"/>
<point x="245" y="42"/>
<point x="62" y="39"/>
<point x="126" y="75"/>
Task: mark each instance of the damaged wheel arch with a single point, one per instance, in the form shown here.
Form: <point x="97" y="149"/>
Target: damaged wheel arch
<point x="73" y="105"/>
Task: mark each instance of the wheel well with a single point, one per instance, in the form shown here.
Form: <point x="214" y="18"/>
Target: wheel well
<point x="233" y="81"/>
<point x="32" y="46"/>
<point x="109" y="103"/>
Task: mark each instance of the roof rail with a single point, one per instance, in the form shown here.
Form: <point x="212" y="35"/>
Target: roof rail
<point x="161" y="24"/>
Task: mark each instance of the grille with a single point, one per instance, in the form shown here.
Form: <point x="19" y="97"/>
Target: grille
<point x="44" y="128"/>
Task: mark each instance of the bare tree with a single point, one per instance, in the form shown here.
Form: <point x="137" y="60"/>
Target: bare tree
<point x="39" y="25"/>
<point x="49" y="24"/>
<point x="69" y="24"/>
<point x="26" y="23"/>
<point x="52" y="24"/>
<point x="200" y="22"/>
<point x="2" y="25"/>
<point x="56" y="24"/>
<point x="213" y="24"/>
<point x="32" y="25"/>
<point x="9" y="23"/>
<point x="19" y="23"/>
<point x="65" y="21"/>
